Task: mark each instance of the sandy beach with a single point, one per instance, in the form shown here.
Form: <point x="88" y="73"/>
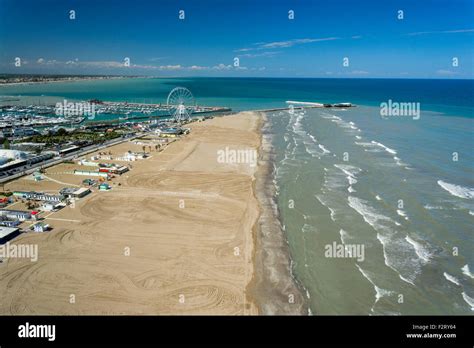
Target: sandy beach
<point x="175" y="235"/>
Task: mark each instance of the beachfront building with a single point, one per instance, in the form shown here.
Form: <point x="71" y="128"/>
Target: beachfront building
<point x="112" y="168"/>
<point x="19" y="215"/>
<point x="88" y="163"/>
<point x="104" y="187"/>
<point x="74" y="192"/>
<point x="38" y="196"/>
<point x="91" y="173"/>
<point x="132" y="156"/>
<point x="81" y="192"/>
<point x="67" y="150"/>
<point x="89" y="182"/>
<point x="8" y="233"/>
<point x="171" y="132"/>
<point x="9" y="155"/>
<point x="40" y="227"/>
<point x="8" y="223"/>
<point x="52" y="206"/>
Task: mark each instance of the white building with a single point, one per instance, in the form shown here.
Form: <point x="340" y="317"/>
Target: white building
<point x="40" y="227"/>
<point x="51" y="206"/>
<point x="11" y="155"/>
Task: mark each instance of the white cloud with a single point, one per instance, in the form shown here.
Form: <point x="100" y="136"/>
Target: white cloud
<point x="445" y="72"/>
<point x="457" y="31"/>
<point x="40" y="61"/>
<point x="167" y="67"/>
<point x="222" y="67"/>
<point x="359" y="72"/>
<point x="284" y="44"/>
<point x="155" y="59"/>
<point x="255" y="55"/>
<point x="197" y="67"/>
<point x="291" y="43"/>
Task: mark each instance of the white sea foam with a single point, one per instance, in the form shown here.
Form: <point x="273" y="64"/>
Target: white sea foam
<point x="468" y="300"/>
<point x="369" y="214"/>
<point x="368" y="147"/>
<point x="457" y="190"/>
<point x="403" y="214"/>
<point x="344" y="236"/>
<point x="389" y="150"/>
<point x="433" y="207"/>
<point x="465" y="270"/>
<point x="332" y="212"/>
<point x="398" y="161"/>
<point x="399" y="255"/>
<point x="308" y="228"/>
<point x="451" y="278"/>
<point x="420" y="250"/>
<point x="350" y="171"/>
<point x="377" y="197"/>
<point x="364" y="144"/>
<point x="321" y="146"/>
<point x="358" y="137"/>
<point x="379" y="292"/>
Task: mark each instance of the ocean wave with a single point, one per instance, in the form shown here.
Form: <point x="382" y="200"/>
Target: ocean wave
<point x="468" y="300"/>
<point x="308" y="228"/>
<point x="451" y="278"/>
<point x="369" y="214"/>
<point x="398" y="254"/>
<point x="368" y="147"/>
<point x="420" y="250"/>
<point x="386" y="148"/>
<point x="465" y="270"/>
<point x="403" y="214"/>
<point x="350" y="171"/>
<point x="332" y="212"/>
<point x="321" y="146"/>
<point x="344" y="236"/>
<point x="398" y="161"/>
<point x="379" y="292"/>
<point x="457" y="190"/>
<point x="377" y="197"/>
<point x="328" y="116"/>
<point x="433" y="207"/>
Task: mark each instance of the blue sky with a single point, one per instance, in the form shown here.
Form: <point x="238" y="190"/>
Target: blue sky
<point x="259" y="33"/>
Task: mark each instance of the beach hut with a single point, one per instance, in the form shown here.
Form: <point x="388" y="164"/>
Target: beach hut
<point x="40" y="227"/>
<point x="104" y="187"/>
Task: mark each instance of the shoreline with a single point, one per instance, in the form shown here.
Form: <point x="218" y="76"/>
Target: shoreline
<point x="181" y="213"/>
<point x="66" y="80"/>
<point x="274" y="287"/>
<point x="263" y="271"/>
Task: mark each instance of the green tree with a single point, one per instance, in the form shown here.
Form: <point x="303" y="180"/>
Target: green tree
<point x="6" y="144"/>
<point x="61" y="132"/>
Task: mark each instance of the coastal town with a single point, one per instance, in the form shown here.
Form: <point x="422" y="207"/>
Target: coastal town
<point x="48" y="162"/>
<point x="134" y="197"/>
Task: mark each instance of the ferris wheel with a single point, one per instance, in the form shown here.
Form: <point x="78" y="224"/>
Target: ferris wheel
<point x="181" y="103"/>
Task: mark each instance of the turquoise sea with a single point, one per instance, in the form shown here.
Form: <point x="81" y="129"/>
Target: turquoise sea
<point x="399" y="188"/>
